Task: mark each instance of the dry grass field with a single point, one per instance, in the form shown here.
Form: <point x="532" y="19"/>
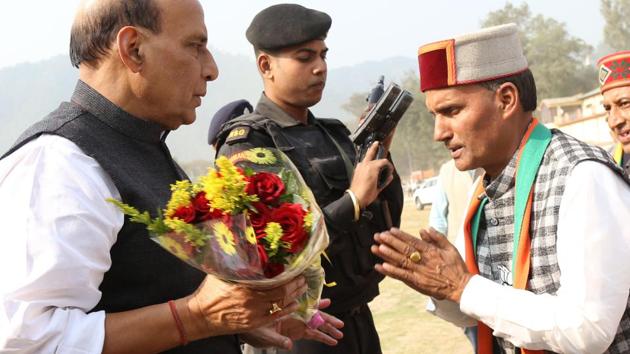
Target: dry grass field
<point x="402" y="322"/>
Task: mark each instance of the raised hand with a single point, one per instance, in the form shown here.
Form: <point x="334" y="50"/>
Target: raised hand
<point x="430" y="264"/>
<point x="364" y="181"/>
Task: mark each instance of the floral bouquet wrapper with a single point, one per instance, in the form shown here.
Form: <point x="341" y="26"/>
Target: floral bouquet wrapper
<point x="251" y="220"/>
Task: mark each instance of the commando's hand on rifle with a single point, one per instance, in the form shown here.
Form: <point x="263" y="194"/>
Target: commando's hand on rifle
<point x="365" y="180"/>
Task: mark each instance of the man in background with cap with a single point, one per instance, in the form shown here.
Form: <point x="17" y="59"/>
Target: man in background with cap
<point x="614" y="81"/>
<point x="225" y="114"/>
<point x="544" y="248"/>
<point x="288" y="40"/>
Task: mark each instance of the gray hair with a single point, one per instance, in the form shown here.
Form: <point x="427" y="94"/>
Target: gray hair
<point x="96" y="26"/>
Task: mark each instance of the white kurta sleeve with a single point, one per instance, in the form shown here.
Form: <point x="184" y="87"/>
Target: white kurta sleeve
<point x="593" y="245"/>
<point x="57" y="231"/>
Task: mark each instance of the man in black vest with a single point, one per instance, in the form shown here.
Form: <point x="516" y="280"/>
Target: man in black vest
<point x="291" y="57"/>
<point x="83" y="278"/>
<point x="541" y="261"/>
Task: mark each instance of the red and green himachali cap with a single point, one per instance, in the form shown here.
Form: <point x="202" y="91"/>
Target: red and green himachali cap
<point x="485" y="55"/>
<point x="614" y="70"/>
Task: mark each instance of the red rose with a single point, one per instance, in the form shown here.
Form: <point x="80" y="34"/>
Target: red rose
<point x="273" y="269"/>
<point x="267" y="186"/>
<point x="200" y="203"/>
<point x="291" y="217"/>
<point x="185" y="213"/>
<point x="262" y="254"/>
<point x="260" y="219"/>
<point x="214" y="214"/>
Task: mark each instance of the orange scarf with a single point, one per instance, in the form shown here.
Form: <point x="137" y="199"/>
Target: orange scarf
<point x="531" y="151"/>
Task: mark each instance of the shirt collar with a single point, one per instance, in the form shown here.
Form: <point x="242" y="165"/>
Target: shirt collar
<point x="498" y="186"/>
<point x="115" y="117"/>
<point x="269" y="109"/>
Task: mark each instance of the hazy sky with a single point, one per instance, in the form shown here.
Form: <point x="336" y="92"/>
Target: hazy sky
<point x="362" y="30"/>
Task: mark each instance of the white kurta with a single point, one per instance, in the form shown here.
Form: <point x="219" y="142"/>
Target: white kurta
<point x="57" y="231"/>
<point x="593" y="245"/>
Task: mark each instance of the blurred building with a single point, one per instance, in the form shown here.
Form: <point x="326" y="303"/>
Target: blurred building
<point x="581" y="116"/>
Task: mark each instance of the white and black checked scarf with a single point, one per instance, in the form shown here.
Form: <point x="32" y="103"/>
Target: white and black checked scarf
<point x="496" y="231"/>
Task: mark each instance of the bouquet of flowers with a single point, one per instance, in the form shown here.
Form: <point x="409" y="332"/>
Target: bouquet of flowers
<point x="250" y="220"/>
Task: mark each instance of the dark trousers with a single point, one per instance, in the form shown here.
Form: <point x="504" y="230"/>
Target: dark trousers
<point x="359" y="336"/>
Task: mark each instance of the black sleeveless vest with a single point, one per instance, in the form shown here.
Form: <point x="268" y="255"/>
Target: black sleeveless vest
<point x="132" y="152"/>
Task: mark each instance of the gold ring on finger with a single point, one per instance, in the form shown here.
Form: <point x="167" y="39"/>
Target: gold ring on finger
<point x="274" y="308"/>
<point x="415" y="256"/>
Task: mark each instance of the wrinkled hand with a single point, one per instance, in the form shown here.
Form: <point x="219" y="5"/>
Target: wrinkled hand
<point x="441" y="272"/>
<point x="224" y="308"/>
<point x="282" y="334"/>
<point x="364" y="181"/>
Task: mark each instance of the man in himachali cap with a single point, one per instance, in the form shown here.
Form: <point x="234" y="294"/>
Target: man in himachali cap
<point x="614" y="81"/>
<point x="534" y="220"/>
<point x="482" y="62"/>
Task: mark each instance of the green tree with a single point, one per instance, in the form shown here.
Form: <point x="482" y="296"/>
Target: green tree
<point x="617" y="29"/>
<point x="559" y="61"/>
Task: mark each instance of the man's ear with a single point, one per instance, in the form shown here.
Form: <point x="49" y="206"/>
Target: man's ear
<point x="509" y="100"/>
<point x="264" y="61"/>
<point x="129" y="42"/>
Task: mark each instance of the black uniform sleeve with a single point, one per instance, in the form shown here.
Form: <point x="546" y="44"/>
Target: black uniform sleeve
<point x="340" y="215"/>
<point x="394" y="196"/>
<point x="339" y="221"/>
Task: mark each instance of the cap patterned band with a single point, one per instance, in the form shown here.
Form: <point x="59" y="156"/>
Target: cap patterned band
<point x="614" y="70"/>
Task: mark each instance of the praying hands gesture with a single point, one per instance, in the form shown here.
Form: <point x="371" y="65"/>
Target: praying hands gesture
<point x="429" y="264"/>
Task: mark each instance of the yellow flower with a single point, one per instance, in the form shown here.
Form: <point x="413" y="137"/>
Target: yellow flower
<point x="224" y="237"/>
<point x="225" y="188"/>
<point x="250" y="234"/>
<point x="261" y="156"/>
<point x="173" y="246"/>
<point x="273" y="230"/>
<point x="211" y="183"/>
<point x="308" y="221"/>
<point x="181" y="196"/>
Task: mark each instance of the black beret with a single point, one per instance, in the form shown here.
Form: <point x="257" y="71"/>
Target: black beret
<point x="285" y="25"/>
<point x="225" y="114"/>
